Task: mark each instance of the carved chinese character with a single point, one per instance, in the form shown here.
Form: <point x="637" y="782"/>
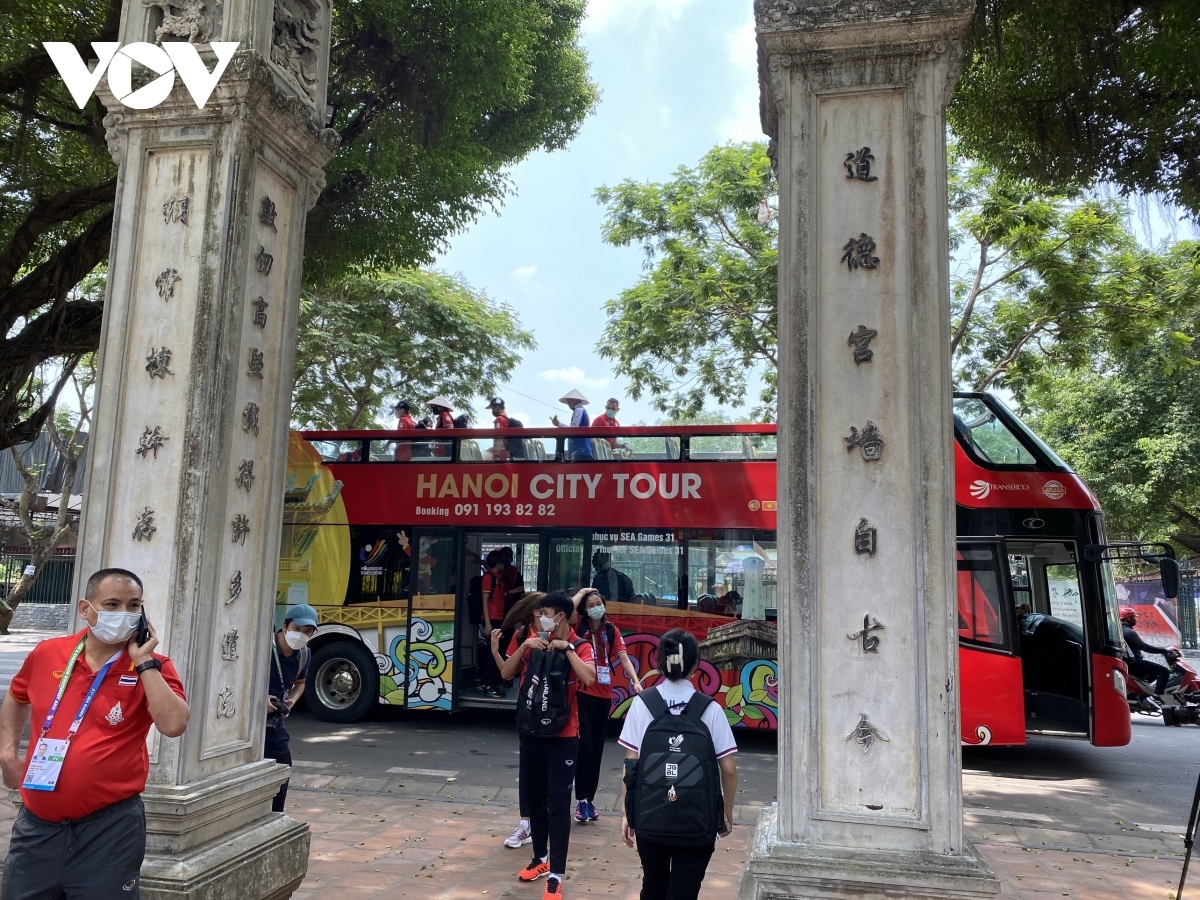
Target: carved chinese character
<point x="256" y="363"/>
<point x="151" y="442"/>
<point x="865" y="734"/>
<point x="263" y="260"/>
<point x="870" y="642"/>
<point x="158" y="363"/>
<point x="229" y="646"/>
<point x="241" y="528"/>
<point x="144" y="529"/>
<point x="235" y="586"/>
<point x="858" y="253"/>
<point x="869" y="441"/>
<point x="166" y="283"/>
<point x="859" y="340"/>
<point x="266" y="213"/>
<point x="250" y="418"/>
<point x="260" y="311"/>
<point x="864" y="538"/>
<point x="245" y="475"/>
<point x="858" y="165"/>
<point x="226" y="708"/>
<point x="175" y="210"/>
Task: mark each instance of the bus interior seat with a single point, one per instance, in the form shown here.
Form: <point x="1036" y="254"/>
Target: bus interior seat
<point x="672" y="448"/>
<point x="601" y="449"/>
<point x="534" y="449"/>
<point x="1053" y="663"/>
<point x="468" y="451"/>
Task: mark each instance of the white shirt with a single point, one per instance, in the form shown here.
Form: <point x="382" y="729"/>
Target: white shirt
<point x="577" y="416"/>
<point x="676" y="695"/>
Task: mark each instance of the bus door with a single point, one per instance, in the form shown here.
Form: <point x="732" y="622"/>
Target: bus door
<point x="429" y="652"/>
<point x="471" y="652"/>
<point x="990" y="676"/>
<point x="1052" y="634"/>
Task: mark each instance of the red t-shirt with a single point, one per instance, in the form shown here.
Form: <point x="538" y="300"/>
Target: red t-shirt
<point x="108" y="760"/>
<point x="603" y="421"/>
<point x="584" y="651"/>
<point x="493" y="595"/>
<point x="445" y="419"/>
<point x="604" y="654"/>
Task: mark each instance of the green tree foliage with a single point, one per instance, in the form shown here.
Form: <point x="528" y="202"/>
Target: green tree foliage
<point x="1130" y="425"/>
<point x="1043" y="276"/>
<point x="433" y="101"/>
<point x="1072" y="92"/>
<point x="703" y="316"/>
<point x="367" y="341"/>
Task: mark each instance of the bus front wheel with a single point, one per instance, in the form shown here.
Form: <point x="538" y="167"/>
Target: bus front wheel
<point x="343" y="682"/>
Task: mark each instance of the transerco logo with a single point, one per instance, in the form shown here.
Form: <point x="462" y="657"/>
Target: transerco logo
<point x="1054" y="490"/>
<point x="980" y="489"/>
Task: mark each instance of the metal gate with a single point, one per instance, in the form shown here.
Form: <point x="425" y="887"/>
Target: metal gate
<point x="53" y="585"/>
<point x="1187" y="608"/>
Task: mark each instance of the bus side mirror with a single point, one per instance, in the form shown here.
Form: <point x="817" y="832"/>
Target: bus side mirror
<point x="1168" y="570"/>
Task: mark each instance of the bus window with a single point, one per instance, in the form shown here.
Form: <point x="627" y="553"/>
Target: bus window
<point x="650" y="448"/>
<point x="980" y="614"/>
<point x="637" y="566"/>
<point x="1062" y="587"/>
<point x="732" y="577"/>
<point x="338" y="451"/>
<point x="509" y="448"/>
<point x="1046" y="578"/>
<point x="435" y="567"/>
<point x="567" y="568"/>
<point x="731" y="447"/>
<point x="407" y="450"/>
<point x="379" y="565"/>
<point x="987" y="438"/>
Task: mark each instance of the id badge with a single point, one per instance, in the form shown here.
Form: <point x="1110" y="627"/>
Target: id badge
<point x="45" y="764"/>
<point x="603" y="675"/>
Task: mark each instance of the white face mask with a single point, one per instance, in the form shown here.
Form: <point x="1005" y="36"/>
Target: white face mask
<point x="547" y="623"/>
<point x="295" y="639"/>
<point x="596" y="612"/>
<point x="114" y="627"/>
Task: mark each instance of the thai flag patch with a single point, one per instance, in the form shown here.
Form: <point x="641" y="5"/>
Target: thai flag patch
<point x="128" y="681"/>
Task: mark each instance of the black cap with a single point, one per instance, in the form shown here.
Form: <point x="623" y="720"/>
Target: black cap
<point x="402" y="405"/>
<point x="496" y="401"/>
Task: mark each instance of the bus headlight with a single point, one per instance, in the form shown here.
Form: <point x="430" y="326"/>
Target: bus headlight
<point x="1118" y="678"/>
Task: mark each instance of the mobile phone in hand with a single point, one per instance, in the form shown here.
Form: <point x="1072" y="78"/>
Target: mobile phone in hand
<point x="143" y="630"/>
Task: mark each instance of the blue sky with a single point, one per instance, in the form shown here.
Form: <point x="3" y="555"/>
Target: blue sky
<point x="676" y="77"/>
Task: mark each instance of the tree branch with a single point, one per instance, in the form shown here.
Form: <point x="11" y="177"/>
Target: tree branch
<point x="971" y="298"/>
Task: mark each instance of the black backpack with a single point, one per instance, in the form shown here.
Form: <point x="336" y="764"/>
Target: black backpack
<point x="675" y="797"/>
<point x="542" y="707"/>
<point x="515" y="445"/>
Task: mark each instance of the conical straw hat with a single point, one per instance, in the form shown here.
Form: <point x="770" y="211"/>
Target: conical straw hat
<point x="573" y="395"/>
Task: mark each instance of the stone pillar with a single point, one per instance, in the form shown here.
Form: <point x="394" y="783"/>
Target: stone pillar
<point x="189" y="444"/>
<point x="870" y="805"/>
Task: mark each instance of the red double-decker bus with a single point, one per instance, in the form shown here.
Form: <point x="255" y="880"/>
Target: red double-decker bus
<point x="384" y="531"/>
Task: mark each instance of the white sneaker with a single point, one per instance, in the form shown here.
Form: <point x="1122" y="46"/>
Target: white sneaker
<point x="519" y="837"/>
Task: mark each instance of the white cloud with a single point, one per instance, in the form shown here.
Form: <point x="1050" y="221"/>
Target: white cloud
<point x="742" y="121"/>
<point x="524" y="274"/>
<point x="627" y="13"/>
<point x="574" y="376"/>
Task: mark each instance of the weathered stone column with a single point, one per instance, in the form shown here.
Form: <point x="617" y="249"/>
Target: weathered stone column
<point x="189" y="445"/>
<point x="870" y="805"/>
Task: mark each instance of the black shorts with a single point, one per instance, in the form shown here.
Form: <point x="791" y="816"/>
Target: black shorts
<point x="98" y="857"/>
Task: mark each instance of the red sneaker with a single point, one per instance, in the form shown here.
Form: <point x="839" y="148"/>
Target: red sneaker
<point x="553" y="890"/>
<point x="535" y="870"/>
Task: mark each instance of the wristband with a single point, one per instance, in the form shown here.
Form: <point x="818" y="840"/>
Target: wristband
<point x="148" y="664"/>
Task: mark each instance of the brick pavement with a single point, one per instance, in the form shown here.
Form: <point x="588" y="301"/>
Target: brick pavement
<point x="377" y="837"/>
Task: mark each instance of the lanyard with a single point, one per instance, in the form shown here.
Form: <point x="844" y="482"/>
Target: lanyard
<point x="278" y="664"/>
<point x="62" y="689"/>
<point x="603" y="640"/>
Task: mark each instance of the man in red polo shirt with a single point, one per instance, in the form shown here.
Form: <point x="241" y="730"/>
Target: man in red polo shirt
<point x="94" y="695"/>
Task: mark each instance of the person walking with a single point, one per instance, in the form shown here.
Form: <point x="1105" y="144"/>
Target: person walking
<point x="595" y="700"/>
<point x="673" y="866"/>
<point x="81" y="830"/>
<point x="288" y="673"/>
<point x="547" y="762"/>
<point x="404" y="422"/>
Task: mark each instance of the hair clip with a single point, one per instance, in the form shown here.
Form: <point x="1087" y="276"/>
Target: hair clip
<point x="676" y="657"/>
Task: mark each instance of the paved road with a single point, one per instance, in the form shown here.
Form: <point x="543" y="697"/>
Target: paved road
<point x="13" y="648"/>
<point x="1051" y="792"/>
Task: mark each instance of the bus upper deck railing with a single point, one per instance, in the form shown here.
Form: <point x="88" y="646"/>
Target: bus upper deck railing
<point x="729" y="443"/>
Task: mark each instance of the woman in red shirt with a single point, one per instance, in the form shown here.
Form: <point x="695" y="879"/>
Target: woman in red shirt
<point x="595" y="700"/>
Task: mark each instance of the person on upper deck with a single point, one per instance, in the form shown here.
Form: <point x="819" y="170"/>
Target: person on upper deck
<point x="609" y="420"/>
<point x="577" y="448"/>
<point x="404" y="421"/>
<point x="443" y="412"/>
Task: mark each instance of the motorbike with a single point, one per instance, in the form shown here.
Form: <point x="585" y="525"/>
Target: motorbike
<point x="1180" y="703"/>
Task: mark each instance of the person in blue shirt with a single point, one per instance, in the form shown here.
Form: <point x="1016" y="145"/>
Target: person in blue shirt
<point x="289" y="669"/>
<point x="577" y="448"/>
